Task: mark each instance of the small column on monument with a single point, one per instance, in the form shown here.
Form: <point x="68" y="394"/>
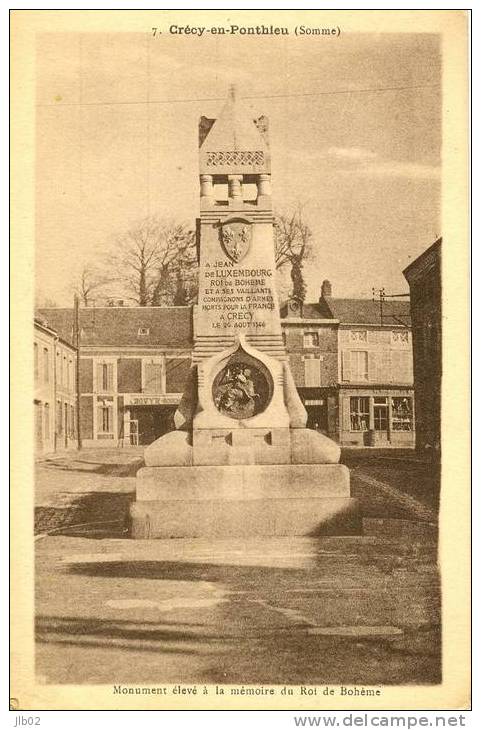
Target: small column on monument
<point x="235" y="191"/>
<point x="263" y="189"/>
<point x="206" y="191"/>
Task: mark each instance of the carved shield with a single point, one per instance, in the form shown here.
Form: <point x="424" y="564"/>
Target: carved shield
<point x="236" y="239"/>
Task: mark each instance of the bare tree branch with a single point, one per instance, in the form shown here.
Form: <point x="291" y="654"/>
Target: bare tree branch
<point x="293" y="247"/>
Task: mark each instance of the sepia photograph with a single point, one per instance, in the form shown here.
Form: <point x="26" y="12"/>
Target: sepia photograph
<point x="237" y="329"/>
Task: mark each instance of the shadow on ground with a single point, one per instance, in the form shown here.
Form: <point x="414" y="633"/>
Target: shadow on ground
<point x="95" y="467"/>
<point x="93" y="514"/>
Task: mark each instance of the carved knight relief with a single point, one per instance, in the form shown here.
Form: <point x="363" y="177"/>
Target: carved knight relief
<point x="236" y="236"/>
<point x="243" y="388"/>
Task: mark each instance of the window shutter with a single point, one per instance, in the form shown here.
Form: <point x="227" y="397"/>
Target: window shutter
<point x="397" y="373"/>
<point x="110" y="377"/>
<point x="385" y="375"/>
<point x="372" y="367"/>
<point x="312" y="372"/>
<point x="153" y="379"/>
<point x="99" y="378"/>
<point x="409" y="367"/>
<point x="346" y="365"/>
<point x="346" y="414"/>
<point x="405" y="367"/>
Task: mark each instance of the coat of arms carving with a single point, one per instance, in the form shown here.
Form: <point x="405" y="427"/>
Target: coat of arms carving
<point x="236" y="239"/>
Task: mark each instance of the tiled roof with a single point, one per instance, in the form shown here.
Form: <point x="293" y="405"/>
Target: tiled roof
<point x="312" y="310"/>
<point x="356" y="311"/>
<point x="430" y="256"/>
<point x="164" y="326"/>
<point x="365" y="311"/>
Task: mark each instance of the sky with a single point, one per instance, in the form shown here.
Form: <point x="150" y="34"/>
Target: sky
<point x="355" y="134"/>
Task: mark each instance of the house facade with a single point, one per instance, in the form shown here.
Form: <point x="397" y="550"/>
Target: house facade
<point x="353" y="370"/>
<point x="133" y="365"/>
<point x="54" y="389"/>
<point x="424" y="278"/>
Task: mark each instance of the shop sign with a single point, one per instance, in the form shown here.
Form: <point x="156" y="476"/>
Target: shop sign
<point x="150" y="400"/>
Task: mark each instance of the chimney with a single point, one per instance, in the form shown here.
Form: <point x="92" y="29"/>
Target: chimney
<point x="326" y="289"/>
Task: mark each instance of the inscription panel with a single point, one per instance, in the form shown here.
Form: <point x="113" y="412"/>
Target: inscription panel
<point x="237" y="296"/>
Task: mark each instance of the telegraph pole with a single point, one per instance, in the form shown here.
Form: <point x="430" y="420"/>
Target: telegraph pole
<point x="381" y="293"/>
<point x="76" y="339"/>
<point x="382" y="296"/>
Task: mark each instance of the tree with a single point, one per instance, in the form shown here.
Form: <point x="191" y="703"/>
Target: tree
<point x="298" y="283"/>
<point x="44" y="302"/>
<point x="293" y="246"/>
<point x="90" y="280"/>
<point x="176" y="256"/>
<point x="150" y="260"/>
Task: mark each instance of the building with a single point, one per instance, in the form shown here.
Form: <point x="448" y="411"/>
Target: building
<point x="353" y="368"/>
<point x="133" y="365"/>
<point x="424" y="278"/>
<point x="353" y="371"/>
<point x="54" y="389"/>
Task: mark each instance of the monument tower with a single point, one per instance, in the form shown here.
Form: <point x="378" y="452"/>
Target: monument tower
<point x="241" y="462"/>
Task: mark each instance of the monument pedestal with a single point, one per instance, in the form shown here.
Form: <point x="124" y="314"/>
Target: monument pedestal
<point x="248" y="500"/>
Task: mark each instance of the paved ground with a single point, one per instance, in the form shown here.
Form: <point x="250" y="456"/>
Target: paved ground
<point x="360" y="610"/>
<point x="403" y="473"/>
<point x="93" y="486"/>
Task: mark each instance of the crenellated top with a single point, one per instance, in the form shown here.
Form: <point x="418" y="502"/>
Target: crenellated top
<point x="234" y="152"/>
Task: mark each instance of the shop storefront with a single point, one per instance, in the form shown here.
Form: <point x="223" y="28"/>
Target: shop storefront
<point x="380" y="418"/>
<point x="146" y="418"/>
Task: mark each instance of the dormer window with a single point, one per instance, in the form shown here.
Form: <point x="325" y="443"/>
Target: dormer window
<point x="143" y="331"/>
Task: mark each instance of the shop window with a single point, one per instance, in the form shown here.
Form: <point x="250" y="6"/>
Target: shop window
<point x="358" y="365"/>
<point x="402" y="414"/>
<point x="360" y="413"/>
<point x="105" y="377"/>
<point x="152" y="378"/>
<point x="35" y="360"/>
<point x="311" y="339"/>
<point x="358" y="336"/>
<point x="46" y="376"/>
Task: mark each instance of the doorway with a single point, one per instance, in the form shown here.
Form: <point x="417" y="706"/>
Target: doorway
<point x="152" y="422"/>
<point x="381" y="420"/>
<point x="65" y="424"/>
<point x="317" y="416"/>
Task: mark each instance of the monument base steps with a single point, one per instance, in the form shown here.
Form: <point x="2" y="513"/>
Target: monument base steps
<point x="244" y="501"/>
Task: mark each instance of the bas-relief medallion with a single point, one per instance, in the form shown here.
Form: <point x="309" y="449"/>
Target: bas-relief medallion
<point x="243" y="388"/>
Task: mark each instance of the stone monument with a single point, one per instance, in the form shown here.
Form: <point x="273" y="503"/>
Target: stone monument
<point x="241" y="462"/>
